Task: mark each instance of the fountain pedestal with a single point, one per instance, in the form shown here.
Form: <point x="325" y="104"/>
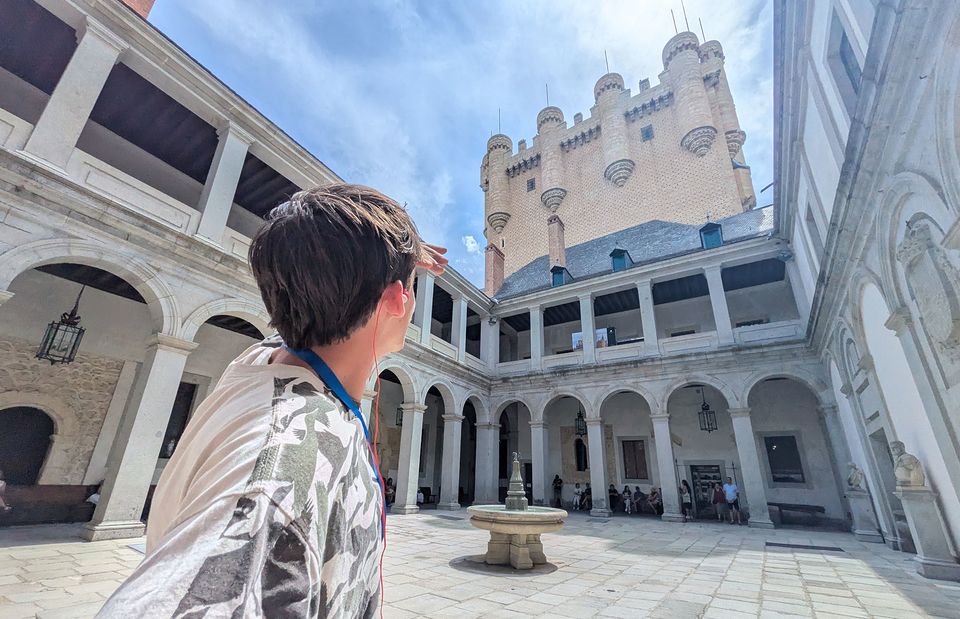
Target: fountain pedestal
<point x="515" y="528"/>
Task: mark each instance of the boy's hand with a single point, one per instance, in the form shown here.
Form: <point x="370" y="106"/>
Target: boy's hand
<point x="432" y="258"/>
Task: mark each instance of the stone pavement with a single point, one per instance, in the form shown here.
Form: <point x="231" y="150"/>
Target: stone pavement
<point x="622" y="567"/>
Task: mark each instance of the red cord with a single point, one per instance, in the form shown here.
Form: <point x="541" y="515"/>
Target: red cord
<point x="376" y="459"/>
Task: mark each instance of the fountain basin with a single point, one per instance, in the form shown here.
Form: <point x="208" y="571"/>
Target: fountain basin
<point x="515" y="534"/>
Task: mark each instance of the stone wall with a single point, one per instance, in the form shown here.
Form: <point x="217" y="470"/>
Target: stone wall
<point x="75" y="395"/>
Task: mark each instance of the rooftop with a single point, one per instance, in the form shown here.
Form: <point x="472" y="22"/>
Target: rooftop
<point x="646" y="243"/>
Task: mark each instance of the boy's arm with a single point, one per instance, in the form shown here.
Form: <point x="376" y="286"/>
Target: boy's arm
<point x="241" y="556"/>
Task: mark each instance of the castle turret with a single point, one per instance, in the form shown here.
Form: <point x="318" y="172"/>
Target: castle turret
<point x="715" y="79"/>
<point x="613" y="129"/>
<point x="681" y="62"/>
<point x="549" y="124"/>
<point x="496" y="200"/>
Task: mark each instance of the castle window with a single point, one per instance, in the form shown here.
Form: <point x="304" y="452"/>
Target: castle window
<point x="646" y="133"/>
<point x="843" y="64"/>
<point x="620" y="259"/>
<point x="559" y="276"/>
<point x="783" y="455"/>
<point x="531" y="184"/>
<point x="711" y="235"/>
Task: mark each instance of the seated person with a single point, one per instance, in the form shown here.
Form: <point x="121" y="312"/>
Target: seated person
<point x="390" y="492"/>
<point x="577" y="496"/>
<point x="627" y="496"/>
<point x="654" y="501"/>
<point x="587" y="498"/>
<point x="614" y="498"/>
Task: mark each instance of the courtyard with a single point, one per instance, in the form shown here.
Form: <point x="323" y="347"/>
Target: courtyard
<point x="616" y="567"/>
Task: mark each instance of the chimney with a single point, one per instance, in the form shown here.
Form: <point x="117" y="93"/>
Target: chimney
<point x="140" y="7"/>
<point x="493" y="271"/>
<point x="558" y="251"/>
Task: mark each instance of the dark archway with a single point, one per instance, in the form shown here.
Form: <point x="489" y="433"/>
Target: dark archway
<point x="24" y="443"/>
<point x="468" y="454"/>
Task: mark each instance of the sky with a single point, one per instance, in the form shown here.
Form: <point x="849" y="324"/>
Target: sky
<point x="403" y="95"/>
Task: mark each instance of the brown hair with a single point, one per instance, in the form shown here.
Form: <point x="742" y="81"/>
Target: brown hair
<point x="323" y="260"/>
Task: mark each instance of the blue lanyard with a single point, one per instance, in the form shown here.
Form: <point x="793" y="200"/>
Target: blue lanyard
<point x="323" y="371"/>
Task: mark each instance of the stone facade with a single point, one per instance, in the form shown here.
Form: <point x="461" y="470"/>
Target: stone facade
<point x="76" y="396"/>
<point x="637" y="157"/>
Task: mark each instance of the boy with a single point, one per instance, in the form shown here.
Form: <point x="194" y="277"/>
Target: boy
<point x="271" y="505"/>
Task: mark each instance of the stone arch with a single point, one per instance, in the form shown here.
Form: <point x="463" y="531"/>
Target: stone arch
<point x="161" y="301"/>
<point x="403" y="374"/>
<point x="496" y="410"/>
<point x="646" y="395"/>
<point x="446" y="392"/>
<point x="725" y="390"/>
<point x="946" y="88"/>
<point x="587" y="403"/>
<point x="479" y="406"/>
<point x="817" y="387"/>
<point x="253" y="313"/>
<point x="65" y="429"/>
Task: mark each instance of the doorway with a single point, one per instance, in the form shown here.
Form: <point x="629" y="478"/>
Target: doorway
<point x="702" y="478"/>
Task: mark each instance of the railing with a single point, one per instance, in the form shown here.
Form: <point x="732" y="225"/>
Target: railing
<point x="633" y="350"/>
<point x="413" y="332"/>
<point x="443" y="347"/>
<point x="236" y="243"/>
<point x="769" y="332"/>
<point x="521" y="366"/>
<point x="563" y="359"/>
<point x="14" y="131"/>
<point x="688" y="343"/>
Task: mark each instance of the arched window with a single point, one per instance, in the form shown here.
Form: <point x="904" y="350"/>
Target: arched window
<point x="24" y="443"/>
<point x="580" y="453"/>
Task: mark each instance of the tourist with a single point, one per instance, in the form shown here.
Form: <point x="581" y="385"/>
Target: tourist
<point x="4" y="508"/>
<point x="420" y="500"/>
<point x="731" y="495"/>
<point x="639" y="498"/>
<point x="577" y="496"/>
<point x="272" y="497"/>
<point x="627" y="500"/>
<point x="614" y="497"/>
<point x="390" y="492"/>
<point x="686" y="500"/>
<point x="588" y="498"/>
<point x="719" y="500"/>
<point x="654" y="501"/>
<point x="557" y="491"/>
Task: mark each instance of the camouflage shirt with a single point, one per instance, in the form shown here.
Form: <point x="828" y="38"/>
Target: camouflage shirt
<point x="269" y="507"/>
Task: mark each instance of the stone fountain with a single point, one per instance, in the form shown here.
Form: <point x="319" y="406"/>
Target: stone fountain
<point x="515" y="528"/>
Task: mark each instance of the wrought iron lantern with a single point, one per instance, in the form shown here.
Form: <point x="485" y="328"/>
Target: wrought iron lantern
<point x="62" y="338"/>
<point x="399" y="416"/>
<point x="708" y="418"/>
<point x="580" y="424"/>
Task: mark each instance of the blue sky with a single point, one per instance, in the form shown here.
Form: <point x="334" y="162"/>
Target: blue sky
<point x="402" y="95"/>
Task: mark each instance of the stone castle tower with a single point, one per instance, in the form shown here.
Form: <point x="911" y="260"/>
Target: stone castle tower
<point x="670" y="152"/>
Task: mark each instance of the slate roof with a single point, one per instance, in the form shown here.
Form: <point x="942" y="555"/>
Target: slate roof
<point x="648" y="242"/>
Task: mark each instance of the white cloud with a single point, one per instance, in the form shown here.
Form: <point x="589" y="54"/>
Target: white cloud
<point x="403" y="95"/>
<point x="470" y="243"/>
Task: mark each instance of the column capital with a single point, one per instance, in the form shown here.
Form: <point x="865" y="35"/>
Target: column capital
<point x="594" y="421"/>
<point x="92" y="27"/>
<point x="452" y="418"/>
<point x="846" y="389"/>
<point x="899" y="319"/>
<point x="865" y="363"/>
<point x="369" y="394"/>
<point x="827" y="410"/>
<point x="488" y="426"/>
<point x="162" y="341"/>
<point x="739" y="412"/>
<point x="413" y="408"/>
<point x="661" y="417"/>
<point x="538" y="424"/>
<point x="232" y="129"/>
<point x="586" y="296"/>
<point x="711" y="269"/>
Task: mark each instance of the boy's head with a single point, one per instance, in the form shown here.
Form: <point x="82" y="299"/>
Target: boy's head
<point x="331" y="258"/>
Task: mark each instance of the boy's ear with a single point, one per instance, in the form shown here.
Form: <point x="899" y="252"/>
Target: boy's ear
<point x="394" y="299"/>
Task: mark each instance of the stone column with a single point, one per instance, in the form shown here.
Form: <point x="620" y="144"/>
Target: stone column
<point x="133" y="457"/>
<point x="799" y="292"/>
<point x="718" y="300"/>
<point x="648" y="317"/>
<point x="216" y="199"/>
<point x="450" y="475"/>
<point x="408" y="475"/>
<point x="97" y="469"/>
<point x="934" y="557"/>
<point x="536" y="337"/>
<point x="667" y="469"/>
<point x="538" y="456"/>
<point x="589" y="330"/>
<point x="63" y="118"/>
<point x="458" y="331"/>
<point x="598" y="467"/>
<point x="756" y="493"/>
<point x="487" y="473"/>
<point x="833" y="435"/>
<point x="490" y="342"/>
<point x="424" y="308"/>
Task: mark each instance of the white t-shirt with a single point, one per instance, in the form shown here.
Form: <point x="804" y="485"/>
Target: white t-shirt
<point x="730" y="492"/>
<point x="269" y="507"/>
